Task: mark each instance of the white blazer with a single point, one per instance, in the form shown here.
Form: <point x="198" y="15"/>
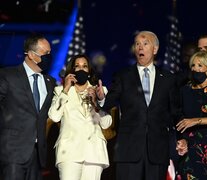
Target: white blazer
<point x="80" y="138"/>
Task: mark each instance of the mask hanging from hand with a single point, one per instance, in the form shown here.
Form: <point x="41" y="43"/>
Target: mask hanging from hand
<point x="45" y="62"/>
<point x="81" y="76"/>
<point x="198" y="77"/>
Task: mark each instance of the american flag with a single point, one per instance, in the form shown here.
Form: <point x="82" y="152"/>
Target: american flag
<point x="172" y="56"/>
<point x="77" y="44"/>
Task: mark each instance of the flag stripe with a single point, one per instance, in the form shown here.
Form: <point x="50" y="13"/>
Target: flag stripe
<point x="77" y="44"/>
<point x="172" y="56"/>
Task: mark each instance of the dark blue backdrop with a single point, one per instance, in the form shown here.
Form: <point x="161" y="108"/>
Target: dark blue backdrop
<point x="109" y="28"/>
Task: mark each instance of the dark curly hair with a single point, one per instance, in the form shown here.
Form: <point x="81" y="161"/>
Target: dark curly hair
<point x="93" y="79"/>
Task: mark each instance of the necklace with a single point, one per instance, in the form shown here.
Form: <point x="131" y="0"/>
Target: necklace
<point x="81" y="88"/>
<point x="85" y="99"/>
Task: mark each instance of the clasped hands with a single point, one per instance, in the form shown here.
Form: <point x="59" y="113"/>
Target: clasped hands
<point x="182" y="145"/>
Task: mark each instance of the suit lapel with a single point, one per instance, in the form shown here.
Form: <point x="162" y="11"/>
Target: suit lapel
<point x="156" y="89"/>
<point x="140" y="91"/>
<point x="28" y="91"/>
<point x="76" y="99"/>
<point x="25" y="81"/>
<point x="49" y="88"/>
<point x="158" y="81"/>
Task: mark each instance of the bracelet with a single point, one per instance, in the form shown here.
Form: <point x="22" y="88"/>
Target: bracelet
<point x="199" y="121"/>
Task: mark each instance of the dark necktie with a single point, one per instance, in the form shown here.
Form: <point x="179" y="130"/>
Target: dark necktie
<point x="146" y="85"/>
<point x="36" y="93"/>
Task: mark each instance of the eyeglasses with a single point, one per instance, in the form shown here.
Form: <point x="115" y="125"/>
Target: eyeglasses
<point x="37" y="54"/>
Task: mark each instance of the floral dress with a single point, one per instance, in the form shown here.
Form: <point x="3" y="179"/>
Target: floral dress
<point x="193" y="166"/>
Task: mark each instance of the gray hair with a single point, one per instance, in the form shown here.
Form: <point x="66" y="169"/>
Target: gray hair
<point x="156" y="40"/>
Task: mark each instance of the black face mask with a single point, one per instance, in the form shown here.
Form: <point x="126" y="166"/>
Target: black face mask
<point x="45" y="62"/>
<point x="198" y="77"/>
<point x="81" y="76"/>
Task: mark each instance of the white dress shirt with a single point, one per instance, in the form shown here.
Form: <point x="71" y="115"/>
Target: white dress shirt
<point x="151" y="71"/>
<point x="41" y="83"/>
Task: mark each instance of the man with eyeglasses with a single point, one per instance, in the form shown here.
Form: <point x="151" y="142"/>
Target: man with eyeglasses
<point x="25" y="97"/>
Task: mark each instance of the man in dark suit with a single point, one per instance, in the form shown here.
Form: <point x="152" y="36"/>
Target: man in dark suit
<point x="142" y="142"/>
<point x="22" y="120"/>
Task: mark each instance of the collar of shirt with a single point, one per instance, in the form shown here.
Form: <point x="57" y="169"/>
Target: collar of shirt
<point x="41" y="83"/>
<point x="29" y="71"/>
<point x="151" y="68"/>
<point x="152" y="72"/>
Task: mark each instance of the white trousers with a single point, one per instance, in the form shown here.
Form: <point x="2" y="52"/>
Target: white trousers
<point x="79" y="171"/>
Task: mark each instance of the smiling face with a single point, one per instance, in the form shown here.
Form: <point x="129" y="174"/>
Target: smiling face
<point x="145" y="48"/>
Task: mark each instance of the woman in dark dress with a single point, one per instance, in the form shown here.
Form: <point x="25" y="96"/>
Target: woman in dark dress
<point x="193" y="145"/>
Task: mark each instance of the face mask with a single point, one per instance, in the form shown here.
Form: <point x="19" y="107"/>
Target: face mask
<point x="198" y="77"/>
<point x="45" y="62"/>
<point x="81" y="76"/>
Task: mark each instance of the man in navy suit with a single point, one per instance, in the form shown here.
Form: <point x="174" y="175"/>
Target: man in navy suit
<point x="142" y="142"/>
<point x="22" y="123"/>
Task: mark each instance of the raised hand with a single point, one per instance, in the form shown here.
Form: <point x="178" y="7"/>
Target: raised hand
<point x="68" y="82"/>
<point x="100" y="91"/>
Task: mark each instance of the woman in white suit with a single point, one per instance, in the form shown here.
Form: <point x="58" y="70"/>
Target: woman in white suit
<point x="81" y="151"/>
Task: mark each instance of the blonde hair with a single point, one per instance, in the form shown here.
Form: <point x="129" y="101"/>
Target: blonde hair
<point x="202" y="55"/>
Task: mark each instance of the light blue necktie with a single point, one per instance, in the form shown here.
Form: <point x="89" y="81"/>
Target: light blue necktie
<point x="146" y="85"/>
<point x="36" y="93"/>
